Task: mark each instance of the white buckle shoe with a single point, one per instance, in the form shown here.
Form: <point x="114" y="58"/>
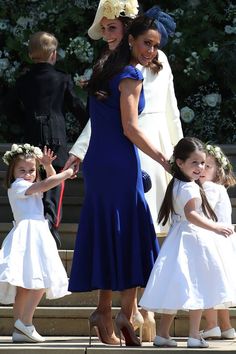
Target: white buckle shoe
<point x="197" y="343"/>
<point x="29" y="331"/>
<point x="228" y="334"/>
<point x="212" y="333"/>
<point x="164" y="342"/>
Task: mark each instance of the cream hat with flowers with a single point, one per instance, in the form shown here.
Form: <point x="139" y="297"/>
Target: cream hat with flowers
<point x="112" y="9"/>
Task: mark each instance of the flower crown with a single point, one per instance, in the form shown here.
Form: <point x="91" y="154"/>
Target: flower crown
<point x="21" y="150"/>
<point x="218" y="154"/>
<point x="114" y="8"/>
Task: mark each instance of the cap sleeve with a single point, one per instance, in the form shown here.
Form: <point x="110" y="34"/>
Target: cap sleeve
<point x="19" y="187"/>
<point x="131" y="72"/>
<point x="189" y="191"/>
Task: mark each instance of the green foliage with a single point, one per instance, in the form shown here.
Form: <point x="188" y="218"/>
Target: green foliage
<point x="202" y="55"/>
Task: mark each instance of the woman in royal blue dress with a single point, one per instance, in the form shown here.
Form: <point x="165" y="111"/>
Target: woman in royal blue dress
<point x="116" y="244"/>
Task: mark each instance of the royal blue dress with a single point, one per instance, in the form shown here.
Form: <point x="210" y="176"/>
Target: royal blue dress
<point x="116" y="244"/>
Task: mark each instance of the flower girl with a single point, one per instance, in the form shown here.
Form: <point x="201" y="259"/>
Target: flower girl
<point x="189" y="272"/>
<point x="29" y="261"/>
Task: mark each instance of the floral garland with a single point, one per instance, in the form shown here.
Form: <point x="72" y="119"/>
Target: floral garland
<point x="218" y="154"/>
<point x="214" y="151"/>
<point x="114" y="8"/>
<point x="21" y="149"/>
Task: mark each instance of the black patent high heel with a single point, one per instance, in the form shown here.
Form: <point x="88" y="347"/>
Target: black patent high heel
<point x="126" y="328"/>
<point x="96" y="321"/>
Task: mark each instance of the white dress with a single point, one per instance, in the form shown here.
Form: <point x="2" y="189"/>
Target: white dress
<point x="220" y="202"/>
<point x="29" y="257"/>
<point x="160" y="122"/>
<point x="190" y="271"/>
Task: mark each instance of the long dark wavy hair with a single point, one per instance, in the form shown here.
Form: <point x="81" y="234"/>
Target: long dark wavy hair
<point x="184" y="148"/>
<point x="112" y="63"/>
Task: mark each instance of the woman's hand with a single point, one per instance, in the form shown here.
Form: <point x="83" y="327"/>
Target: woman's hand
<point x="72" y="162"/>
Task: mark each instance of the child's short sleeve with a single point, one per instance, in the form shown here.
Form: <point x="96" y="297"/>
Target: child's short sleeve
<point x="19" y="187"/>
<point x="189" y="190"/>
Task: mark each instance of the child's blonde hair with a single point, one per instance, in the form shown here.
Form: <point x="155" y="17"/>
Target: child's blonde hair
<point x="224" y="169"/>
<point x="17" y="153"/>
<point x="41" y="46"/>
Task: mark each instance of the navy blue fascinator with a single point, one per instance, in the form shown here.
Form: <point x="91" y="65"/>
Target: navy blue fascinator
<point x="164" y="23"/>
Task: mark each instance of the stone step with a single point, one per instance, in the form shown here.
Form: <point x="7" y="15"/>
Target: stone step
<point x="73" y="321"/>
<point x="79" y="345"/>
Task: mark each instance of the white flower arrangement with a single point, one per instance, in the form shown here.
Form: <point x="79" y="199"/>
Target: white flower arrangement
<point x="25" y="149"/>
<point x="218" y="154"/>
<point x="114" y="8"/>
<point x="212" y="99"/>
<point x="81" y="79"/>
<point x="187" y="114"/>
<point x="81" y="48"/>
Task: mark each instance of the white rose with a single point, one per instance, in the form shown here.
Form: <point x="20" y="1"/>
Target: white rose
<point x="14" y="147"/>
<point x="27" y="146"/>
<point x="224" y="162"/>
<point x="212" y="99"/>
<point x="38" y="152"/>
<point x="19" y="150"/>
<point x="229" y="29"/>
<point x="187" y="114"/>
<point x="217" y="149"/>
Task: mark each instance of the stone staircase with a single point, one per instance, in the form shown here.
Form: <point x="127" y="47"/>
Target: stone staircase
<point x="64" y="322"/>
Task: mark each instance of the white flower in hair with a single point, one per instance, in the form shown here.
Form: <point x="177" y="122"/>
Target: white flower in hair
<point x="218" y="154"/>
<point x="38" y="152"/>
<point x="21" y="149"/>
<point x="14" y="147"/>
<point x="224" y="162"/>
<point x="27" y="146"/>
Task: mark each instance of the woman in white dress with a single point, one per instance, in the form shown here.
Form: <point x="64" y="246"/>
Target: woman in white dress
<point x="189" y="273"/>
<point x="29" y="261"/>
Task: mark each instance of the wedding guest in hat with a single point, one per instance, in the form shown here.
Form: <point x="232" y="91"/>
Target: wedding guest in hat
<point x="116" y="243"/>
<point x="159" y="120"/>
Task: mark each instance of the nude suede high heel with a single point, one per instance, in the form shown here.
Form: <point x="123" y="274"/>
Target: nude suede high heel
<point x="138" y="322"/>
<point x="125" y="327"/>
<point x="96" y="321"/>
<point x="149" y="326"/>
